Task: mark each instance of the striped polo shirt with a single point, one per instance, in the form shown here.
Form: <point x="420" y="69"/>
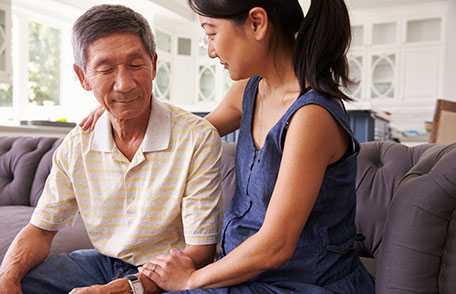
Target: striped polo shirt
<point x="167" y="196"/>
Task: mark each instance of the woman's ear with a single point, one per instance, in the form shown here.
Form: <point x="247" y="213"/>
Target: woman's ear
<point x="258" y="22"/>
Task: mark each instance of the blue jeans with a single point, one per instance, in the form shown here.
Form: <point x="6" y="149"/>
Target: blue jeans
<point x="82" y="268"/>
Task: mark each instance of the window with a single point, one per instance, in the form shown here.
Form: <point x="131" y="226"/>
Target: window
<point x="44" y="65"/>
<point x="6" y="95"/>
<point x="3" y="40"/>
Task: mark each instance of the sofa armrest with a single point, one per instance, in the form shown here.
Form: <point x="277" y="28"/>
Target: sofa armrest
<point x="418" y="253"/>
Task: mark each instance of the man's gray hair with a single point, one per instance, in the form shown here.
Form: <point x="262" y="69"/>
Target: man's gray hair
<point x="103" y="20"/>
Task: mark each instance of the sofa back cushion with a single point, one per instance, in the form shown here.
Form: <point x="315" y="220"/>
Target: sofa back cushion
<point x="381" y="166"/>
<point x="419" y="241"/>
<point x="19" y="159"/>
<point x="42" y="171"/>
<point x="228" y="173"/>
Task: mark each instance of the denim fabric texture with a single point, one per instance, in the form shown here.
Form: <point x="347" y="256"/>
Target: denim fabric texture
<point x="59" y="274"/>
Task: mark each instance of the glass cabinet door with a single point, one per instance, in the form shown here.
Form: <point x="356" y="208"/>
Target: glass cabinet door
<point x="162" y="83"/>
<point x="356" y="75"/>
<point x="383" y="76"/>
<point x="206" y="83"/>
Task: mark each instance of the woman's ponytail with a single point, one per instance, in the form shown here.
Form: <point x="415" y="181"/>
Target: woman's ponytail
<point x="322" y="42"/>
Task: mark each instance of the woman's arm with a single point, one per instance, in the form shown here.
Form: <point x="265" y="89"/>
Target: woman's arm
<point x="314" y="140"/>
<point x="227" y="116"/>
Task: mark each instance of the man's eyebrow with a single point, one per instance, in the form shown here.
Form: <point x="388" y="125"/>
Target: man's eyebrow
<point x="106" y="60"/>
<point x="135" y="54"/>
<point x="100" y="61"/>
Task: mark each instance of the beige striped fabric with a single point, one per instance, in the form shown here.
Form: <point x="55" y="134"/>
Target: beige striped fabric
<point x="168" y="196"/>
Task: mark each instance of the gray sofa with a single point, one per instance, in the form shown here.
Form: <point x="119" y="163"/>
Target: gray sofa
<point x="406" y="208"/>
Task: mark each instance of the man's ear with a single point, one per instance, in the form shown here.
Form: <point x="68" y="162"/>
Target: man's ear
<point x="258" y="22"/>
<point x="82" y="77"/>
<point x="154" y="58"/>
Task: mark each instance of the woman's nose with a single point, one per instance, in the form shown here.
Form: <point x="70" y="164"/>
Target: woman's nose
<point x="211" y="51"/>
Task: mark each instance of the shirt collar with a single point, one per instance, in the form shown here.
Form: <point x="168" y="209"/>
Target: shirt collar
<point x="157" y="137"/>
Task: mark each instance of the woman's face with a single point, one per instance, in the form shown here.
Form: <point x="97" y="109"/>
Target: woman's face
<point x="234" y="45"/>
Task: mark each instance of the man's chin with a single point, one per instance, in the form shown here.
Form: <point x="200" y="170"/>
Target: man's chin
<point x="128" y="114"/>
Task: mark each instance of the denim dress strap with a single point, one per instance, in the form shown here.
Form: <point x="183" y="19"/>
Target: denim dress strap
<point x="331" y="105"/>
<point x="248" y="100"/>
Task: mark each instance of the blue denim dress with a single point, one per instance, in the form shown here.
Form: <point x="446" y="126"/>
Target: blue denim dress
<point x="324" y="261"/>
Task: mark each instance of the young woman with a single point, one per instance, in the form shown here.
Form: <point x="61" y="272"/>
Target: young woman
<point x="291" y="225"/>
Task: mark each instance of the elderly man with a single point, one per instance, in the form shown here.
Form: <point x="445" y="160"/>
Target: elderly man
<point x="145" y="181"/>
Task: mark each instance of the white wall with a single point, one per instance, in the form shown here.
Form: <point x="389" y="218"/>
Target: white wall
<point x="449" y="91"/>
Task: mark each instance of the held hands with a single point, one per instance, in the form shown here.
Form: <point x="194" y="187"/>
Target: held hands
<point x="170" y="272"/>
<point x="90" y="121"/>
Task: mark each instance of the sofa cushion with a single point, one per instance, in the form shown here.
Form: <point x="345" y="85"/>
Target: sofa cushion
<point x="19" y="159"/>
<point x="228" y="173"/>
<point x="381" y="166"/>
<point x="42" y="172"/>
<point x="419" y="241"/>
<point x="14" y="218"/>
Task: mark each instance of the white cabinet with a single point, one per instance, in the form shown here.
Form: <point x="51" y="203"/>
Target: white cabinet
<point x="186" y="76"/>
<point x="213" y="79"/>
<point x="396" y="58"/>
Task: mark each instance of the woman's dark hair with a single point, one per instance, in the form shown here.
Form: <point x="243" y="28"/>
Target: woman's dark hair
<point x="320" y="39"/>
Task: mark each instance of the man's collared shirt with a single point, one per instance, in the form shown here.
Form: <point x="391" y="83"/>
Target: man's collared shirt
<point x="167" y="196"/>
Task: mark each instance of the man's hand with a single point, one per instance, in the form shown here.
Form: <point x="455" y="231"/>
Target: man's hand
<point x="9" y="286"/>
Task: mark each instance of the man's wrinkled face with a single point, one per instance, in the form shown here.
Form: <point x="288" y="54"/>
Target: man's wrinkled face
<point x="120" y="72"/>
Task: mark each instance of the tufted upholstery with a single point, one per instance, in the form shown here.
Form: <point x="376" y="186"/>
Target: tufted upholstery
<point x="20" y="160"/>
<point x="25" y="163"/>
<point x="406" y="208"/>
<point x="407" y="212"/>
<point x="381" y="167"/>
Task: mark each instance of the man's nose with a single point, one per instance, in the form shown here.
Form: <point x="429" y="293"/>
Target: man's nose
<point x="124" y="81"/>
